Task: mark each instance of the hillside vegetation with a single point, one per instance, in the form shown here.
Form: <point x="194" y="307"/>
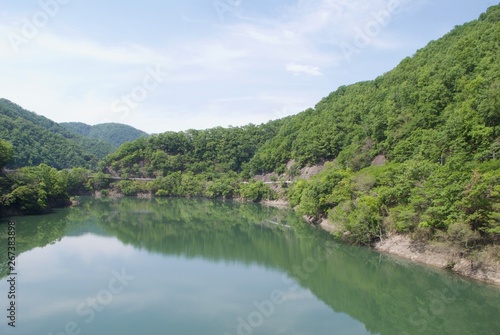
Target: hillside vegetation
<point x="114" y="134"/>
<point x="434" y="119"/>
<point x="38" y="140"/>
<point x="33" y="190"/>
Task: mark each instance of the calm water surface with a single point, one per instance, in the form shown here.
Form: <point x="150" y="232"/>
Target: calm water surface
<point x="189" y="267"/>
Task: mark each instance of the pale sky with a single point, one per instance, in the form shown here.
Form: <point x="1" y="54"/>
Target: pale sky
<point x="162" y="65"/>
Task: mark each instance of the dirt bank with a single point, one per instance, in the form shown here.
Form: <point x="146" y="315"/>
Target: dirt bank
<point x="480" y="267"/>
<point x="276" y="203"/>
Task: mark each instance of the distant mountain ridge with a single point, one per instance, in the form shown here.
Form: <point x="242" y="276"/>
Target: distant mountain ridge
<point x="114" y="134"/>
<point x="37" y="139"/>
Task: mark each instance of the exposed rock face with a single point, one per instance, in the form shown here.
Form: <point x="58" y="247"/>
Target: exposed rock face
<point x="479" y="268"/>
<point x="378" y="160"/>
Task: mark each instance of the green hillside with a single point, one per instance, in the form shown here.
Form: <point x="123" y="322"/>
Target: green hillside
<point x="114" y="134"/>
<point x="443" y="102"/>
<point x="36" y="140"/>
<point x="434" y="120"/>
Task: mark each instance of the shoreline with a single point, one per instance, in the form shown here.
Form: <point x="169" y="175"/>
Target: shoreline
<point x="443" y="257"/>
<point x="435" y="255"/>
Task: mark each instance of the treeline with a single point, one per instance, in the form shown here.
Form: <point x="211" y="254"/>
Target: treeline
<point x="217" y="150"/>
<point x="37" y="189"/>
<point x="188" y="184"/>
<point x="196" y="163"/>
<point x="114" y="134"/>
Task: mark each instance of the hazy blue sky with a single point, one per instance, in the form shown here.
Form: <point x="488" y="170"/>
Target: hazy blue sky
<point x="173" y="65"/>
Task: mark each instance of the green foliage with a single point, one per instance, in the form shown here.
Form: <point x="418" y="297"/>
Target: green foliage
<point x="322" y="192"/>
<point x="114" y="134"/>
<point x="216" y="150"/>
<point x="480" y="202"/>
<point x="226" y="187"/>
<point x="127" y="187"/>
<point x="35" y="189"/>
<point x="417" y="197"/>
<point x="462" y="234"/>
<point x="256" y="191"/>
<point x="38" y="140"/>
<point x="6" y="153"/>
<point x="359" y="220"/>
<point x="401" y="219"/>
<point x="28" y="199"/>
<point x="77" y="181"/>
<point x="100" y="181"/>
<point x="434" y="118"/>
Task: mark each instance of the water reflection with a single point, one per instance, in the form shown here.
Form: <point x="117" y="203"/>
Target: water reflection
<point x="201" y="265"/>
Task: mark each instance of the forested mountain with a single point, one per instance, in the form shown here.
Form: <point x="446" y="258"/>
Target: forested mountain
<point x="115" y="134"/>
<point x="434" y="119"/>
<point x="36" y="140"/>
<point x="442" y="103"/>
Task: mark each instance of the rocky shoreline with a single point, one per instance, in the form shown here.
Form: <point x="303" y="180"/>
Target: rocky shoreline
<point x="480" y="267"/>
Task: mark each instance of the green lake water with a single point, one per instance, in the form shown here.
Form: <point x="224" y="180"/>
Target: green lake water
<point x="199" y="267"/>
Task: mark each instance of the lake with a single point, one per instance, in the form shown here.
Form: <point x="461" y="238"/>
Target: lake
<point x="189" y="266"/>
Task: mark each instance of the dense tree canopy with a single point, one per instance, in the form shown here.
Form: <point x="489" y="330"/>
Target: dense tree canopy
<point x="6" y="153"/>
<point x="34" y="190"/>
<point x="36" y="140"/>
<point x="216" y="150"/>
<point x="114" y="134"/>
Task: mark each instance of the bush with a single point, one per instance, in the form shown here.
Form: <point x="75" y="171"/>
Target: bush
<point x="360" y="221"/>
<point x="462" y="234"/>
<point x="401" y="219"/>
<point x="256" y="191"/>
<point x="127" y="187"/>
<point x="162" y="193"/>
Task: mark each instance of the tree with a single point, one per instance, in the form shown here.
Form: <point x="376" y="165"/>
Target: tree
<point x="6" y="153"/>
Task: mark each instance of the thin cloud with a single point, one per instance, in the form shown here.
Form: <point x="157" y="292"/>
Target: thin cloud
<point x="297" y="69"/>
